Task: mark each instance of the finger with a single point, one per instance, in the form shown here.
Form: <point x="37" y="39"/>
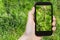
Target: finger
<point x="54" y="28"/>
<point x="54" y="19"/>
<point x="30" y="26"/>
<point x="32" y="11"/>
<point x="54" y="23"/>
<point x="31" y="14"/>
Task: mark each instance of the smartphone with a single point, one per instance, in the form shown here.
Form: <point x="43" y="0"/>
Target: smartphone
<point x="43" y="18"/>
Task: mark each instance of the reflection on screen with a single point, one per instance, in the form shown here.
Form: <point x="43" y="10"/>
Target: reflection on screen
<point x="43" y="18"/>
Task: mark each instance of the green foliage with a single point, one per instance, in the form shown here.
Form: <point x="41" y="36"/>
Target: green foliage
<point x="13" y="18"/>
<point x="43" y="18"/>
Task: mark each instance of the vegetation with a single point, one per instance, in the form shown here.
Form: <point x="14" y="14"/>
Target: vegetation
<point x="43" y="17"/>
<point x="13" y="18"/>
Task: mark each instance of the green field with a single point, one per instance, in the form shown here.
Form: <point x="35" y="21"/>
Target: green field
<point x="13" y="18"/>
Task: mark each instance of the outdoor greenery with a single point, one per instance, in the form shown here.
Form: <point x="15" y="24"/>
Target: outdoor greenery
<point x="13" y="18"/>
<point x="43" y="18"/>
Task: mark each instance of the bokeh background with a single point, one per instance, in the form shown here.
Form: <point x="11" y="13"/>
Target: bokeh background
<point x="13" y="18"/>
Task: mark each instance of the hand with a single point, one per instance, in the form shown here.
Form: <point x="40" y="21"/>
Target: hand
<point x="30" y="27"/>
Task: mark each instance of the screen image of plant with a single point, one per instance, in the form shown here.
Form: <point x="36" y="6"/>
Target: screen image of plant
<point x="43" y="17"/>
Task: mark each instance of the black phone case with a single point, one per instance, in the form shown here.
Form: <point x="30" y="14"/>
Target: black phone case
<point x="43" y="33"/>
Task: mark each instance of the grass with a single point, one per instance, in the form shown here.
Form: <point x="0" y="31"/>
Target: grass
<point x="13" y="18"/>
<point x="43" y="18"/>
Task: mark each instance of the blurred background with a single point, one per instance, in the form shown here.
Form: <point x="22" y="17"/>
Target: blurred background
<point x="13" y="18"/>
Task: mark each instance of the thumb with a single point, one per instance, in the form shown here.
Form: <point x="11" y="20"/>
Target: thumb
<point x="31" y="14"/>
<point x="30" y="26"/>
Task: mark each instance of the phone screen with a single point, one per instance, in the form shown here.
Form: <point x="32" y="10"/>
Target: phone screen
<point x="43" y="18"/>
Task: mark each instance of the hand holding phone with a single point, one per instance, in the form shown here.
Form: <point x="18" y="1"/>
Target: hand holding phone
<point x="30" y="28"/>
